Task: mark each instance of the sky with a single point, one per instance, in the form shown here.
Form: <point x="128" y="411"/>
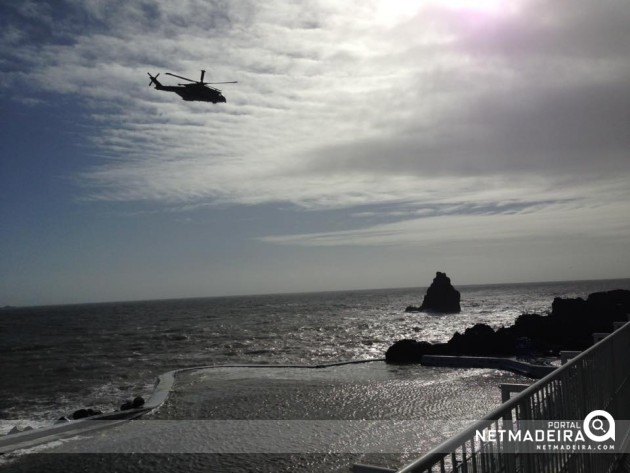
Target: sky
<point x="367" y="144"/>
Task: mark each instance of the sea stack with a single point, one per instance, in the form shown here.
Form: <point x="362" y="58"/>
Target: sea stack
<point x="441" y="297"/>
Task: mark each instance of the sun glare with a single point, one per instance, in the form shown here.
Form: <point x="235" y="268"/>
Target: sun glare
<point x="397" y="11"/>
<point x="487" y="6"/>
<point x="394" y="11"/>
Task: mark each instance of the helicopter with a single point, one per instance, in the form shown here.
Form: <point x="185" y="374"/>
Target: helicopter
<point x="198" y="91"/>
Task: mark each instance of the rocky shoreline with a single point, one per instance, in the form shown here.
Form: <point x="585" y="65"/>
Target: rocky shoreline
<point x="569" y="326"/>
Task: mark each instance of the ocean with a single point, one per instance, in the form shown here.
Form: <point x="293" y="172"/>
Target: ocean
<point x="57" y="359"/>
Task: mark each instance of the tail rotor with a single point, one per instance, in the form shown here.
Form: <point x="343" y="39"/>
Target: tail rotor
<point x="154" y="79"/>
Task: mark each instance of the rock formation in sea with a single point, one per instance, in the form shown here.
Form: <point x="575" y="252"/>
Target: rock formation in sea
<point x="569" y="326"/>
<point x="441" y="297"/>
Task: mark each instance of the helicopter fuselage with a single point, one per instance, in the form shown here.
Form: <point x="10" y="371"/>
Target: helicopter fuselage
<point x="194" y="92"/>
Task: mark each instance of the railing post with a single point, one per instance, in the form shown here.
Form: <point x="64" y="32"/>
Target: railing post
<point x="523" y="412"/>
<point x="567" y="355"/>
<point x="613" y="375"/>
<point x="508" y="388"/>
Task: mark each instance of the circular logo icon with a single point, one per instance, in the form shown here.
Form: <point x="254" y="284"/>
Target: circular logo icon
<point x="596" y="429"/>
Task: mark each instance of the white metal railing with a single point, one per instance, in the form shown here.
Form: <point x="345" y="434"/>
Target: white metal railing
<point x="596" y="379"/>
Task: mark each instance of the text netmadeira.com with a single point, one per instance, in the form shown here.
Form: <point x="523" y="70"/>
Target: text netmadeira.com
<point x="574" y="447"/>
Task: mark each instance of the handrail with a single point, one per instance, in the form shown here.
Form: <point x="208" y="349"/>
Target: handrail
<point x="437" y="454"/>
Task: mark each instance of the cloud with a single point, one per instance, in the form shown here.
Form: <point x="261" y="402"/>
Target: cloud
<point x="336" y="106"/>
<point x="553" y="132"/>
<point x="548" y="223"/>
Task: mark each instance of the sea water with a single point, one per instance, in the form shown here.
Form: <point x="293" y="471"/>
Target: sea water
<point x="58" y="359"/>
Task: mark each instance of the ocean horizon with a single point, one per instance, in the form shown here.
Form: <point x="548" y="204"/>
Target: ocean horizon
<point x="297" y="293"/>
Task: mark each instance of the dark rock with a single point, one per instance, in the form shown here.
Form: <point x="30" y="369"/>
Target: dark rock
<point x="411" y="351"/>
<point x="441" y="296"/>
<point x="569" y="326"/>
<point x="83" y="413"/>
<point x="127" y="405"/>
<point x="482" y="340"/>
<point x="567" y="310"/>
<point x="523" y="346"/>
<point x="572" y="321"/>
<point x="15" y="430"/>
<point x="62" y="420"/>
<point x="506" y="342"/>
<point x="407" y="351"/>
<point x="137" y="402"/>
<point x="80" y="414"/>
<point x="18" y="430"/>
<point x="530" y="325"/>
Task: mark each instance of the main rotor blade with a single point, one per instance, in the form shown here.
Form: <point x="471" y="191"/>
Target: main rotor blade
<point x="231" y="82"/>
<point x="180" y="77"/>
